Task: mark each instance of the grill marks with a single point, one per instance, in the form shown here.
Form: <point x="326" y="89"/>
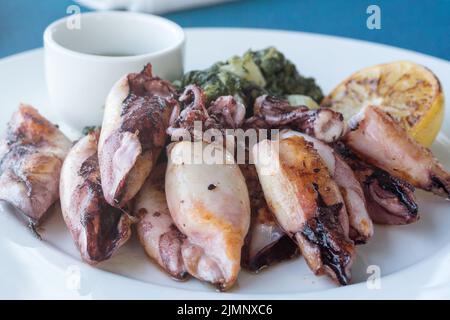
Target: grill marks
<point x="13" y="160"/>
<point x="437" y="183"/>
<point x="401" y="189"/>
<point x="133" y="139"/>
<point x="390" y="199"/>
<point x="98" y="218"/>
<point x="31" y="130"/>
<point x="101" y="224"/>
<point x="380" y="141"/>
<point x="97" y="227"/>
<point x="144" y="83"/>
<point x="308" y="205"/>
<point x="282" y="249"/>
<point x="325" y="231"/>
<point x="275" y="113"/>
<point x="89" y="169"/>
<point x="143" y="115"/>
<point x="361" y="227"/>
<point x="145" y="110"/>
<point x="31" y="156"/>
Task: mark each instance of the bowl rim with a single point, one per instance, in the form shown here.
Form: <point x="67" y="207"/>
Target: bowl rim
<point x="180" y="37"/>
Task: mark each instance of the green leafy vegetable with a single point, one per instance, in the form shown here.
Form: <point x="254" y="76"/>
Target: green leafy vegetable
<point x="217" y="82"/>
<point x="89" y="129"/>
<point x="282" y="76"/>
<point x="245" y="68"/>
<point x="253" y="74"/>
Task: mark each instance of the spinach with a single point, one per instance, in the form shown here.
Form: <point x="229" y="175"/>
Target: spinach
<point x="249" y="76"/>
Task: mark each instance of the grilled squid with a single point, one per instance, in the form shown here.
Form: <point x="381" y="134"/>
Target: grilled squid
<point x="223" y="113"/>
<point x="192" y="109"/>
<point x="31" y="155"/>
<point x="272" y="112"/>
<point x="97" y="228"/>
<point x="361" y="227"/>
<point x="209" y="203"/>
<point x="156" y="230"/>
<point x="227" y="112"/>
<point x="307" y="204"/>
<point x="380" y="141"/>
<point x="266" y="242"/>
<point x="390" y="200"/>
<point x="137" y="113"/>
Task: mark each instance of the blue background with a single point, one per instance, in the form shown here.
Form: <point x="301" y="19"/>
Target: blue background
<point x="420" y="25"/>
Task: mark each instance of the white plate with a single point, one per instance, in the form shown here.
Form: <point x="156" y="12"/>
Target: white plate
<point x="414" y="260"/>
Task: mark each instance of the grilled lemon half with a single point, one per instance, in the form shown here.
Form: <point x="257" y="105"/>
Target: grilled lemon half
<point x="409" y="92"/>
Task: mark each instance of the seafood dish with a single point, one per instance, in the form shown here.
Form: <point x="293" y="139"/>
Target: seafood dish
<point x="234" y="168"/>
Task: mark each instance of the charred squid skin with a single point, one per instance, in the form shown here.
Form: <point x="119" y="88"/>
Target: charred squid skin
<point x="360" y="223"/>
<point x="439" y="185"/>
<point x="317" y="231"/>
<point x="356" y="237"/>
<point x="266" y="243"/>
<point x="98" y="218"/>
<point x="97" y="228"/>
<point x="307" y="204"/>
<point x="276" y="113"/>
<point x="397" y="205"/>
<point x="32" y="152"/>
<point x="390" y="200"/>
<point x="283" y="249"/>
<point x="136" y="117"/>
<point x="378" y="139"/>
<point x="401" y="189"/>
<point x="33" y="226"/>
<point x="325" y="231"/>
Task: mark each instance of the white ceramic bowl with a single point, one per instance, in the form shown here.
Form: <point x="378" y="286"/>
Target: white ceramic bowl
<point x="83" y="63"/>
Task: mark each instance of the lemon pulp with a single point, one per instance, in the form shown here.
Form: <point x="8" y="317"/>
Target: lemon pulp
<point x="409" y="92"/>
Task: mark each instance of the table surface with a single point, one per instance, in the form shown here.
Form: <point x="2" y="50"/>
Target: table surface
<point x="418" y="25"/>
